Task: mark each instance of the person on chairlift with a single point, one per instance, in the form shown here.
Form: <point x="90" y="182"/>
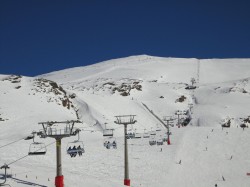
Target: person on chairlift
<point x="79" y="149"/>
<point x="74" y="151"/>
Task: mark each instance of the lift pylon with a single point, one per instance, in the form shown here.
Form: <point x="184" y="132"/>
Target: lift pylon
<point x="125" y="120"/>
<point x="5" y="167"/>
<point x="169" y="121"/>
<point x="52" y="131"/>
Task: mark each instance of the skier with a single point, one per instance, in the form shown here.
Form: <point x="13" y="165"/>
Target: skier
<point x="223" y="178"/>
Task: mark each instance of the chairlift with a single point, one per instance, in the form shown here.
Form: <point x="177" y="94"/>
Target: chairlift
<point x="108" y="132"/>
<point x="158" y="129"/>
<point x="75" y="147"/>
<point x="130" y="134"/>
<point x="165" y="138"/>
<point x="146" y="135"/>
<point x="137" y="135"/>
<point x="110" y="142"/>
<point x="29" y="137"/>
<point x="152" y="140"/>
<point x="153" y="133"/>
<point x="37" y="148"/>
<point x="160" y="141"/>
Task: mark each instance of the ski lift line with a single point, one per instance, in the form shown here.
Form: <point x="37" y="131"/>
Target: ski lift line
<point x="11" y="143"/>
<point x="28" y="155"/>
<point x="57" y="122"/>
<point x="151" y="112"/>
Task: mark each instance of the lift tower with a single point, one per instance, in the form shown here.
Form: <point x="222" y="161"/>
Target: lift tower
<point x="125" y="120"/>
<point x="169" y="121"/>
<point x="5" y="167"/>
<point x="52" y="129"/>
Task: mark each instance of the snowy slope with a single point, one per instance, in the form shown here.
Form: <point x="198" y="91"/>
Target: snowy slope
<point x="134" y="85"/>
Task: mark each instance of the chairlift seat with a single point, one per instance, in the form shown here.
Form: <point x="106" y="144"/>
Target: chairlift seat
<point x="37" y="148"/>
<point x="71" y="151"/>
<point x="137" y="135"/>
<point x="152" y="142"/>
<point x="108" y="132"/>
<point x="153" y="133"/>
<point x="130" y="135"/>
<point x="75" y="147"/>
<point x="110" y="143"/>
<point x="146" y="135"/>
<point x="29" y="137"/>
<point x="37" y="153"/>
<point x="159" y="142"/>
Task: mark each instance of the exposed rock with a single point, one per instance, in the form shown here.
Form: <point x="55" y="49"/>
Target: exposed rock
<point x="181" y="99"/>
<point x="227" y="123"/>
<point x="13" y="78"/>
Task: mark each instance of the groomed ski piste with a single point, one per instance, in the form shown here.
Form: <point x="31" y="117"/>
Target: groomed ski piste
<point x="201" y="154"/>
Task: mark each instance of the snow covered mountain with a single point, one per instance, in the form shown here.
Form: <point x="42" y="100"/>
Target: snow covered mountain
<point x="142" y="86"/>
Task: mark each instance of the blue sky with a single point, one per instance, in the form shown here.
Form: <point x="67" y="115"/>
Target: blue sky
<point x="40" y="36"/>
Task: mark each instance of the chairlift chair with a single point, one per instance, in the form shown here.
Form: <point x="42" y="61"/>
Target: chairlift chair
<point x="165" y="138"/>
<point x="131" y="133"/>
<point x="152" y="140"/>
<point x="146" y="135"/>
<point x="137" y="135"/>
<point x="160" y="141"/>
<point x="75" y="147"/>
<point x="153" y="133"/>
<point x="110" y="142"/>
<point x="37" y="148"/>
<point x="108" y="132"/>
<point x="29" y="137"/>
<point x="158" y="129"/>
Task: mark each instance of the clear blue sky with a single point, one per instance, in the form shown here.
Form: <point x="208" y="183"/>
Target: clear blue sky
<point x="40" y="36"/>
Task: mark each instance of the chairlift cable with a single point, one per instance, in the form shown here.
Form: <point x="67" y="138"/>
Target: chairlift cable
<point x="27" y="155"/>
<point x="11" y="143"/>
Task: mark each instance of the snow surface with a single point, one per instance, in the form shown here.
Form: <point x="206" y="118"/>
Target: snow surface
<point x="208" y="152"/>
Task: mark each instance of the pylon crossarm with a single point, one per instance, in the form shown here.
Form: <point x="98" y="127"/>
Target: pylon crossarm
<point x="125" y="119"/>
<point x="5" y="166"/>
